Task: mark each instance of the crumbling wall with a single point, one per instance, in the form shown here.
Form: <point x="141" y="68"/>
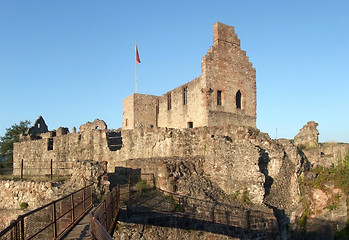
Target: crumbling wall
<point x="237" y="159"/>
<point x="226" y="68"/>
<point x="327" y="154"/>
<point x="307" y="137"/>
<point x="36" y="156"/>
<point x="96" y="124"/>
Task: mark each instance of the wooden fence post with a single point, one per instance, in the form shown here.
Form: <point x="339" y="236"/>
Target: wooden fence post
<point x="51" y="170"/>
<point x="129" y="185"/>
<point x="72" y="207"/>
<point x="22" y="169"/>
<point x="54" y="220"/>
<point x="22" y="227"/>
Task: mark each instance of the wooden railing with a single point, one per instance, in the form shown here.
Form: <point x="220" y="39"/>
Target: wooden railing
<point x="52" y="220"/>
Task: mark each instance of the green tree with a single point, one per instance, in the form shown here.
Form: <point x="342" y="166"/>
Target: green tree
<point x="11" y="136"/>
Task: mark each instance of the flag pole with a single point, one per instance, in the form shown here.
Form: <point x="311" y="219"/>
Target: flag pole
<point x="136" y="66"/>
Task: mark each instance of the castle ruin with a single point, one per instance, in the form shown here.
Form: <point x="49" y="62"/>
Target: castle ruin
<point x="225" y="93"/>
<point x="185" y="122"/>
<point x="195" y="139"/>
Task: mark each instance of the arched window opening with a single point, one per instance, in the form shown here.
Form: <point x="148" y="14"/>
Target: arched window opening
<point x="238" y="100"/>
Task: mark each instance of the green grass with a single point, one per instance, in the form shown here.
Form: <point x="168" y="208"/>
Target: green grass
<point x="58" y="178"/>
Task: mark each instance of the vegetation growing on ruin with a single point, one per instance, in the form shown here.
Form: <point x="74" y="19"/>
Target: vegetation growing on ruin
<point x="142" y="186"/>
<point x="302" y="221"/>
<point x="337" y="175"/>
<point x="24" y="205"/>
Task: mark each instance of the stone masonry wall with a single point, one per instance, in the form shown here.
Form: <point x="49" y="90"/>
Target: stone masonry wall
<point x="128" y="112"/>
<point x="13" y="193"/>
<point x="227" y="153"/>
<point x="35" y="194"/>
<point x="327" y="154"/>
<point x="227" y="68"/>
<point x="307" y="137"/>
<point x="86" y="145"/>
<point x="140" y="110"/>
<point x="145" y="110"/>
<point x="180" y="114"/>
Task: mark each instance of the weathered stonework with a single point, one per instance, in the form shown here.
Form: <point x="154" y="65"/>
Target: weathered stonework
<point x="307" y="137"/>
<point x="327" y="154"/>
<point x="224" y="94"/>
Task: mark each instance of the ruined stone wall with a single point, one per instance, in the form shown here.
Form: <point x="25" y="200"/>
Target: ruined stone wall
<point x="327" y="154"/>
<point x="307" y="137"/>
<point x="180" y="114"/>
<point x="226" y="68"/>
<point x="140" y="110"/>
<point x="231" y="156"/>
<point x="162" y="142"/>
<point x="13" y="193"/>
<point x="217" y="118"/>
<point x="128" y="120"/>
<point x="86" y="145"/>
<point x="145" y="110"/>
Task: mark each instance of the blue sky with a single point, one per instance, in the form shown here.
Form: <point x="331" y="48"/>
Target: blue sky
<point x="73" y="61"/>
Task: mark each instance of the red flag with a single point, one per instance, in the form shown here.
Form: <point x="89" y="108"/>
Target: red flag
<point x="138" y="60"/>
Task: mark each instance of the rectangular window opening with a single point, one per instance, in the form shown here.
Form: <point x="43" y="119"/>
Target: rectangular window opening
<point x="190" y="125"/>
<point x="185" y="95"/>
<point x="169" y="101"/>
<point x="50" y="144"/>
<point x="219" y="97"/>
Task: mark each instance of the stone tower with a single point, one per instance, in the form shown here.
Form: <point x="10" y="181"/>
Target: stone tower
<point x="225" y="93"/>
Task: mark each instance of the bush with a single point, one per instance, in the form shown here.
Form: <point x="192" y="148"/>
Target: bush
<point x="142" y="186"/>
<point x="24" y="205"/>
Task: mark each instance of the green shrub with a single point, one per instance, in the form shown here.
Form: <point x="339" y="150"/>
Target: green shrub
<point x="24" y="205"/>
<point x="234" y="195"/>
<point x="142" y="186"/>
<point x="245" y="196"/>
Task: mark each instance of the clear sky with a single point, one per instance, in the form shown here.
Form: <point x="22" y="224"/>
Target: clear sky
<point x="74" y="61"/>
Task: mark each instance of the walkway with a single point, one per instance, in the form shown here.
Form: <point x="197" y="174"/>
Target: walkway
<point x="81" y="230"/>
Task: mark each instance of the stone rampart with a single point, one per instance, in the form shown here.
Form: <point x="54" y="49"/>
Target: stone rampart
<point x="226" y="153"/>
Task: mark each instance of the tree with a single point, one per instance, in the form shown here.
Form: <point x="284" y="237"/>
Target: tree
<point x="11" y="136"/>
